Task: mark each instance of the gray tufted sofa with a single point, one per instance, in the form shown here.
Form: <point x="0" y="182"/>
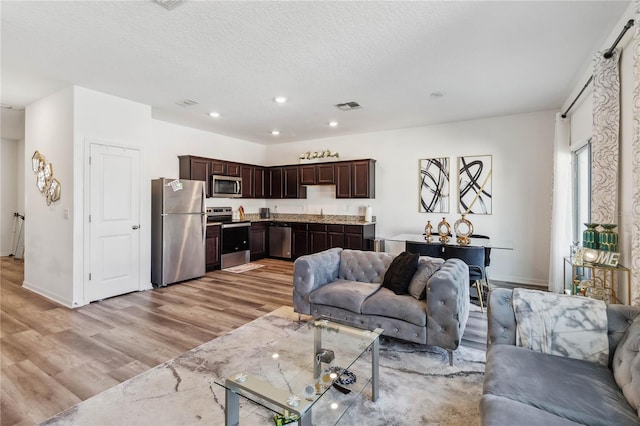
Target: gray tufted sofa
<point x="346" y="285"/>
<point x="525" y="387"/>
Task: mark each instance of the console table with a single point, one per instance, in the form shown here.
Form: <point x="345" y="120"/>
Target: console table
<point x="607" y="273"/>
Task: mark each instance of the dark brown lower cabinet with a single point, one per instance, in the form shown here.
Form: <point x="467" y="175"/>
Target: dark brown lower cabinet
<point x="335" y="236"/>
<point x="358" y="237"/>
<point x="299" y="240"/>
<point x="317" y="237"/>
<point x="212" y="247"/>
<point x="258" y="237"/>
<point x="314" y="237"/>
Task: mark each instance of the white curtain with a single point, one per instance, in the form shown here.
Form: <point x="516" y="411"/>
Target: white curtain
<point x="561" y="216"/>
<point x="635" y="231"/>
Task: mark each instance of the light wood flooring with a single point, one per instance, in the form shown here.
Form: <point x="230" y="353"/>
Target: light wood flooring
<point x="53" y="357"/>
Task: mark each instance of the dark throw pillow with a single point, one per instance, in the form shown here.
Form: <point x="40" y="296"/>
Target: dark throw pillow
<point x="400" y="272"/>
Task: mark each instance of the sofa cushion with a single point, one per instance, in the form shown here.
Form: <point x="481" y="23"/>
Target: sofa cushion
<point x="343" y="294"/>
<point x="626" y="365"/>
<point x="364" y="266"/>
<point x="563" y="325"/>
<point x="500" y="411"/>
<point x="386" y="303"/>
<point x="427" y="266"/>
<point x="400" y="272"/>
<point x="580" y="391"/>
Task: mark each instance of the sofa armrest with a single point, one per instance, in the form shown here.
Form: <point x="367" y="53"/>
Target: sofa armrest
<point x="448" y="304"/>
<point x="501" y="318"/>
<point x="311" y="272"/>
<point x="619" y="319"/>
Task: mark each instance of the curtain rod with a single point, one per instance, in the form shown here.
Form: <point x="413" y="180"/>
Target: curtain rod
<point x="607" y="54"/>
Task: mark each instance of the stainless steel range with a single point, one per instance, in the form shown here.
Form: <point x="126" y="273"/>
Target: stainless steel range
<point x="234" y="236"/>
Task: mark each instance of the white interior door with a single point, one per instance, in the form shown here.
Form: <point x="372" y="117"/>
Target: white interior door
<point x="114" y="221"/>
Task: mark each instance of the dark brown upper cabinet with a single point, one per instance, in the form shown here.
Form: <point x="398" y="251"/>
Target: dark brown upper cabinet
<point x="325" y="174"/>
<point x="259" y="182"/>
<point x="343" y="180"/>
<point x="353" y="179"/>
<point x="247" y="173"/>
<point x="275" y="182"/>
<point x="317" y="174"/>
<point x="196" y="168"/>
<point x="308" y="174"/>
<point x="225" y="168"/>
<point x="291" y="182"/>
<point x="363" y="179"/>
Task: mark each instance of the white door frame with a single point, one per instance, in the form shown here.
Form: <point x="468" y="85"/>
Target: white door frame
<point x="86" y="252"/>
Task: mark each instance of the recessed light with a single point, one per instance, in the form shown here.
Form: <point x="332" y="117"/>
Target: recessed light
<point x="280" y="99"/>
<point x="275" y="132"/>
<point x="333" y="123"/>
<point x="214" y="114"/>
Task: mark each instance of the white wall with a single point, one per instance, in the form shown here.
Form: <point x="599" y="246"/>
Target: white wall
<point x="48" y="236"/>
<point x="522" y="150"/>
<point x="169" y="140"/>
<point x="62" y="126"/>
<point x="9" y="192"/>
<point x="102" y="118"/>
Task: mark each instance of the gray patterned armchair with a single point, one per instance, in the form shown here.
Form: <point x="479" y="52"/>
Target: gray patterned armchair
<point x="346" y="286"/>
<point x="523" y="386"/>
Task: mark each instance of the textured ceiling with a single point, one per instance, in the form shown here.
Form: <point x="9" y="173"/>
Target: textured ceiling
<point x="487" y="58"/>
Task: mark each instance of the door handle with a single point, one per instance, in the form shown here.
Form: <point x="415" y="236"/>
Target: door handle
<point x="135" y="227"/>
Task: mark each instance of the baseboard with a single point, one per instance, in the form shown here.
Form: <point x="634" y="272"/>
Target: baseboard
<point x="48" y="294"/>
<point x="519" y="280"/>
<point x="145" y="287"/>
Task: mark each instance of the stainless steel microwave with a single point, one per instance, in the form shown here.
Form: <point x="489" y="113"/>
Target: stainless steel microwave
<point x="226" y="186"/>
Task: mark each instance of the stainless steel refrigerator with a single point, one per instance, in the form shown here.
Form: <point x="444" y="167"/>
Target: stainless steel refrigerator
<point x="178" y="230"/>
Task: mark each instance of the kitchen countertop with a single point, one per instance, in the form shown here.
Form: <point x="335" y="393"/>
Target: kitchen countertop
<point x="304" y="218"/>
<point x="311" y="218"/>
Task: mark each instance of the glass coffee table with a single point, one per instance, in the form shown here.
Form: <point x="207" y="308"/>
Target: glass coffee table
<point x="314" y="368"/>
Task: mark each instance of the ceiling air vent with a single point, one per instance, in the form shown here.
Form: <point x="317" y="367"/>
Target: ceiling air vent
<point x="169" y="4"/>
<point x="348" y="106"/>
<point x="187" y="103"/>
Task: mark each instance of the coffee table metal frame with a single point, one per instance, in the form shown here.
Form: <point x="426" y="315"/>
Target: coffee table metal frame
<point x="249" y="385"/>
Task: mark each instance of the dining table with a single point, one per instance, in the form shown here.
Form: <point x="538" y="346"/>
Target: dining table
<point x="499" y="244"/>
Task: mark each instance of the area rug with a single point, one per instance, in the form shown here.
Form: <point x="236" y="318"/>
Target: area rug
<point x="417" y="385"/>
<point x="243" y="268"/>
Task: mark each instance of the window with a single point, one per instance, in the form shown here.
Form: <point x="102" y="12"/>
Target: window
<point x="581" y="189"/>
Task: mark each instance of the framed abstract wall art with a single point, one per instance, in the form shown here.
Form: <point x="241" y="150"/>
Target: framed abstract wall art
<point x="434" y="185"/>
<point x="475" y="195"/>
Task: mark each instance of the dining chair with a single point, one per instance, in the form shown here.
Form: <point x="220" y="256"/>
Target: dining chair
<point x="474" y="257"/>
<point x="487" y="258"/>
<point x="431" y="250"/>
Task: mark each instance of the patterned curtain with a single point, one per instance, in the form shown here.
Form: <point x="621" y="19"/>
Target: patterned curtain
<point x="606" y="139"/>
<point x="635" y="236"/>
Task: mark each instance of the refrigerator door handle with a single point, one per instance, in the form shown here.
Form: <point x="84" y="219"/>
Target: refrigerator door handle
<point x="204" y="229"/>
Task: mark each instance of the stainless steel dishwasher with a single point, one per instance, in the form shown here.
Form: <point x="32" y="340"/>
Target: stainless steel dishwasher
<point x="280" y="240"/>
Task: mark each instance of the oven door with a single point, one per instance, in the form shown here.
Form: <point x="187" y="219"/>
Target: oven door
<point x="235" y="237"/>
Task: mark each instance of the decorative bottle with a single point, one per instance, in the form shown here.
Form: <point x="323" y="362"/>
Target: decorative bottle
<point x="590" y="236"/>
<point x="608" y="239"/>
<point x="428" y="231"/>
